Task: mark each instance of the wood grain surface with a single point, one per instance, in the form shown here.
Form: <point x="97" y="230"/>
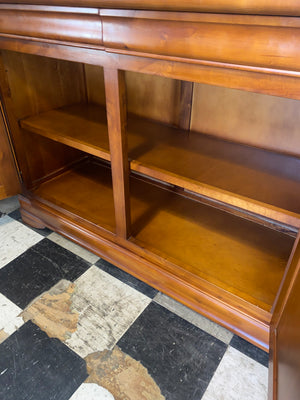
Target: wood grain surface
<point x="280" y="7"/>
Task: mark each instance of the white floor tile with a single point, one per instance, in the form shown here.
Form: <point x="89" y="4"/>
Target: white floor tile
<point x="194" y="318"/>
<point x="15" y="238"/>
<point x="106" y="307"/>
<point x="238" y="377"/>
<point x="9" y="205"/>
<point x="91" y="391"/>
<point x="9" y="319"/>
<point x="76" y="249"/>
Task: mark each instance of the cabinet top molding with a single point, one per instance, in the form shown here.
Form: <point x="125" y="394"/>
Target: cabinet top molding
<point x="262" y="7"/>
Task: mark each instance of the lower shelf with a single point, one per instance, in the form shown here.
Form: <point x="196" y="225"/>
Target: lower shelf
<point x="239" y="256"/>
<point x="85" y="191"/>
<point x="187" y="240"/>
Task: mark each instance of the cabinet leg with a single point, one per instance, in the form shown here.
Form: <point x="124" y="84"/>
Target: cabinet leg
<point x="31" y="220"/>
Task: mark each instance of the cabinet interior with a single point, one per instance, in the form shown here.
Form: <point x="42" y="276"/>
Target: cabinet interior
<point x="215" y="172"/>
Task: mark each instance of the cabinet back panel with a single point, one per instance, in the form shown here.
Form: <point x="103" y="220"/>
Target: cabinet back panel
<point x="46" y="157"/>
<point x="40" y="84"/>
<point x="148" y="96"/>
<point x="153" y="97"/>
<point x="255" y="119"/>
<point x="94" y="77"/>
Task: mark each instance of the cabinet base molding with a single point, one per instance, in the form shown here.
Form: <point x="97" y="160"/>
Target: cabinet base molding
<point x="238" y="316"/>
<point x="31" y="220"/>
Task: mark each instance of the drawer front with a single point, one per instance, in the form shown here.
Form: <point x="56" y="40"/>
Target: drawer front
<point x="78" y="28"/>
<point x="276" y="47"/>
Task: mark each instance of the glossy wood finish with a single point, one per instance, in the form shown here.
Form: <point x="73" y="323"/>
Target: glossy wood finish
<point x="236" y="77"/>
<point x="83" y="192"/>
<point x="238" y="19"/>
<point x="267" y="122"/>
<point x="237" y="315"/>
<point x="116" y="121"/>
<point x="81" y="126"/>
<point x="267" y="7"/>
<point x="224" y="250"/>
<point x="267" y="46"/>
<point x="213" y="259"/>
<point x="29" y="94"/>
<point x="253" y="179"/>
<point x="26" y="94"/>
<point x="78" y="28"/>
<point x="9" y="180"/>
<point x="185" y="105"/>
<point x="150" y="206"/>
<point x="285" y="327"/>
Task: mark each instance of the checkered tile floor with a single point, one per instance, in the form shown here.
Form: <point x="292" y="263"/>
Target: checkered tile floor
<point x="73" y="326"/>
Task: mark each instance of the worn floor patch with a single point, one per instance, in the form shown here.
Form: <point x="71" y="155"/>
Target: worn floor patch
<point x="124" y="377"/>
<point x="3" y="335"/>
<point x="107" y="307"/>
<point x="52" y="311"/>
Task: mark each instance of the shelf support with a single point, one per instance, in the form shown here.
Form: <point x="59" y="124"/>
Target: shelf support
<point x="116" y="120"/>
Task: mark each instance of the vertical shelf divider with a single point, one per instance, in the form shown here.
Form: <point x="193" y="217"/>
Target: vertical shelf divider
<point x="115" y="93"/>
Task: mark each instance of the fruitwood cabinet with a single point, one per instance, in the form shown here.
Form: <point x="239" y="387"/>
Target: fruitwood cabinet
<point x="164" y="137"/>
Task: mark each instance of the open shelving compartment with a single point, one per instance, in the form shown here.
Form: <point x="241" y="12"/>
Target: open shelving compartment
<point x="216" y="211"/>
<point x="58" y="171"/>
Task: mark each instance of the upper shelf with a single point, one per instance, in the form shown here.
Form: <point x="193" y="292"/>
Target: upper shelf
<point x="256" y="180"/>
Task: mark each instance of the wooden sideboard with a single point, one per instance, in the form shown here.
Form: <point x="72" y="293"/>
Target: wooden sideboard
<point x="164" y="137"/>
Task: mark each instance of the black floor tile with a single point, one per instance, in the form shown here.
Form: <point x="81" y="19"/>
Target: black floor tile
<point x="17" y="216"/>
<point x="36" y="367"/>
<point x="250" y="350"/>
<point x="180" y="357"/>
<point x="127" y="278"/>
<point x="37" y="270"/>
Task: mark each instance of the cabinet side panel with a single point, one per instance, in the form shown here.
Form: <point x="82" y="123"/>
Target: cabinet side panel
<point x="288" y="345"/>
<point x="284" y="367"/>
<point x="255" y="119"/>
<point x="9" y="182"/>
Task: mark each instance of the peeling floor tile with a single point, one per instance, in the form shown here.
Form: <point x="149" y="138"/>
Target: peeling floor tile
<point x="238" y="377"/>
<point x="194" y="318"/>
<point x="3" y="335"/>
<point x="123" y="376"/>
<point x="107" y="307"/>
<point x="78" y="250"/>
<point x="10" y="320"/>
<point x="15" y="238"/>
<point x="91" y="391"/>
<point x="52" y="311"/>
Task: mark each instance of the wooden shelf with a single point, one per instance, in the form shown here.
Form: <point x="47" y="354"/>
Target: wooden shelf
<point x="239" y="256"/>
<point x="236" y="255"/>
<point x="86" y="191"/>
<point x="81" y="126"/>
<point x="256" y="180"/>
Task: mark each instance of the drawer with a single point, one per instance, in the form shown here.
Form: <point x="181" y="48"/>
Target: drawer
<point x="69" y="27"/>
